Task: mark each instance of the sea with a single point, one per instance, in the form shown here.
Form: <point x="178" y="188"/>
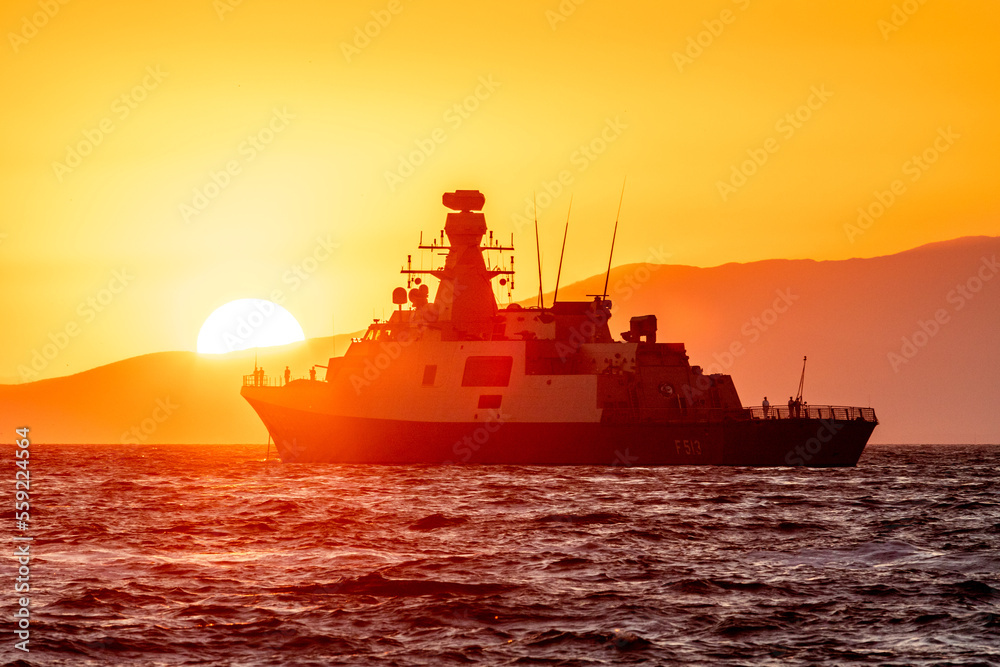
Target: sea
<point x="212" y="555"/>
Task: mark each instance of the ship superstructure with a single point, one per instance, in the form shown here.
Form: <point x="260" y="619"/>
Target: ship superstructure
<point x="457" y="379"/>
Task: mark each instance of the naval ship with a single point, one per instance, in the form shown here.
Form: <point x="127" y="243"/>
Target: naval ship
<point x="458" y="379"/>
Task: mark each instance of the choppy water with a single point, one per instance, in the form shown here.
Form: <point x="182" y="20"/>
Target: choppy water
<point x="206" y="555"/>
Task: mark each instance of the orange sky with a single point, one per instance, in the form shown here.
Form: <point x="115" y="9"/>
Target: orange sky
<point x="118" y="114"/>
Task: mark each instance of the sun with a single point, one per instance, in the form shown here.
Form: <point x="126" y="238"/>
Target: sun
<point x="247" y="323"/>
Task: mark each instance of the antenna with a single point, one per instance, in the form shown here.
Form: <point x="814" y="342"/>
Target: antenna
<point x="613" y="236"/>
<point x="563" y="251"/>
<point x="802" y="380"/>
<point x="538" y="253"/>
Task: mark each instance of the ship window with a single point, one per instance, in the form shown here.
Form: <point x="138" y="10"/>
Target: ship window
<point x="487" y="371"/>
<point x="489" y="402"/>
<point x="429" y="373"/>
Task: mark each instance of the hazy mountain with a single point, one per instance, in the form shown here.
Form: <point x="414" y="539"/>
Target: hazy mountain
<point x="167" y="397"/>
<point x="850" y="318"/>
<point x="913" y="335"/>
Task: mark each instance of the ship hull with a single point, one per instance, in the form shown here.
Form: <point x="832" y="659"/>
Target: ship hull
<point x="303" y="436"/>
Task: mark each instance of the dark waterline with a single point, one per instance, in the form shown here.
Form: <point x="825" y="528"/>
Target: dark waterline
<point x="170" y="555"/>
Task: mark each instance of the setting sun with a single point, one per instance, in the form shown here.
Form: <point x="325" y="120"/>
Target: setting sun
<point x="246" y="323"/>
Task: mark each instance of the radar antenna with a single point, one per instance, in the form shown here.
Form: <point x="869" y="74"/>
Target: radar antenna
<point x="613" y="236"/>
<point x="802" y="380"/>
<point x="563" y="251"/>
<point x="538" y="254"/>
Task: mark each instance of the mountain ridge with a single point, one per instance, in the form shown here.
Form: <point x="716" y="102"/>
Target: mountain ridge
<point x="903" y="333"/>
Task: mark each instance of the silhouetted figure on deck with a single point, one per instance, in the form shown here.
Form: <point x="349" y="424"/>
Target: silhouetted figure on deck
<point x="288" y="375"/>
<point x="312" y="373"/>
<point x="791" y="407"/>
<point x="767" y="407"/>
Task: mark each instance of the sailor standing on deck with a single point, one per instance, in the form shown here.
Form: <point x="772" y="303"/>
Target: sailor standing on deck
<point x="767" y="406"/>
<point x="288" y="375"/>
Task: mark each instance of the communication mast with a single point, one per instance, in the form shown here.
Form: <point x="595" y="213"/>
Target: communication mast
<point x="802" y="380"/>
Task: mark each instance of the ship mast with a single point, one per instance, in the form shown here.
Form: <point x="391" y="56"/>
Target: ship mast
<point x="563" y="251"/>
<point x="538" y="254"/>
<point x="464" y="306"/>
<point x="802" y="380"/>
<point x="613" y="236"/>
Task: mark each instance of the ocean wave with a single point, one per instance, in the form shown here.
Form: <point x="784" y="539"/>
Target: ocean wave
<point x="219" y="559"/>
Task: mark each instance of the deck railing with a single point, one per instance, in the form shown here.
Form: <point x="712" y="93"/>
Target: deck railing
<point x="623" y="413"/>
<point x="838" y="412"/>
<point x="252" y="381"/>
